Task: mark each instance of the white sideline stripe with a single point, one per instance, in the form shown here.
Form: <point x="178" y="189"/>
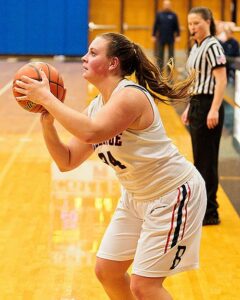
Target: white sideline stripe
<point x="5" y="88"/>
<point x="230" y="177"/>
<point x="17" y="151"/>
<point x="25" y="139"/>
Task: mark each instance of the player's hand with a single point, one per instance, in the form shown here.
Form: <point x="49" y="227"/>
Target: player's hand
<point x="154" y="39"/>
<point x="177" y="39"/>
<point x="184" y="116"/>
<point x="212" y="119"/>
<point x="33" y="90"/>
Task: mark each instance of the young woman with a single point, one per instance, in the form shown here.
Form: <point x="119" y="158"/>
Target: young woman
<point x="157" y="223"/>
<point x="205" y="113"/>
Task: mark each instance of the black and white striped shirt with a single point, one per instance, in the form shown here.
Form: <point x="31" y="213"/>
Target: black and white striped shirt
<point x="204" y="58"/>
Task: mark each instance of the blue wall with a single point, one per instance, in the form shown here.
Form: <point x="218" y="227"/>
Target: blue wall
<point x="43" y="27"/>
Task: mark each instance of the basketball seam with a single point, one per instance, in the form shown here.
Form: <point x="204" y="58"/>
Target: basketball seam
<point x="37" y="71"/>
<point x="53" y="82"/>
<point x="49" y="76"/>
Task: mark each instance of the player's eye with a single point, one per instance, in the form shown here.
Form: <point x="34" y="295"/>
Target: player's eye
<point x="92" y="53"/>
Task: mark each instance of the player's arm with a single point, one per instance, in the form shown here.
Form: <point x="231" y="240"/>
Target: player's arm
<point x="123" y="110"/>
<point x="66" y="156"/>
<point x="220" y="85"/>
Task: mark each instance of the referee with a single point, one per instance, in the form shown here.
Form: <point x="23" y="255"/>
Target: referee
<point x="205" y="113"/>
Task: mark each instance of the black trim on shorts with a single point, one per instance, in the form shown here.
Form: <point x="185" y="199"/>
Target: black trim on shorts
<point x="179" y="216"/>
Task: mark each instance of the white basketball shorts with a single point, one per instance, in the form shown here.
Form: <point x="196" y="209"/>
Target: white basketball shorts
<point x="161" y="236"/>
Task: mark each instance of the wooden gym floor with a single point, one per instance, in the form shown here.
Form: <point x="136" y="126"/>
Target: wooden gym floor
<point x="51" y="223"/>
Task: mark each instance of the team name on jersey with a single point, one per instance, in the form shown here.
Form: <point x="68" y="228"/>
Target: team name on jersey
<point x="115" y="141"/>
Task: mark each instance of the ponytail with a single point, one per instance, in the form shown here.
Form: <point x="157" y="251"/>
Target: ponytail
<point x="161" y="85"/>
<point x="212" y="27"/>
<point x="134" y="61"/>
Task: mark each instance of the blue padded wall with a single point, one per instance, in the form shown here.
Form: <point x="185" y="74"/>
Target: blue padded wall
<point x="43" y="27"/>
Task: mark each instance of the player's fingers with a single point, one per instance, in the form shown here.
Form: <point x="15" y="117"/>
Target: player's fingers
<point x="20" y="90"/>
<point x="43" y="75"/>
<point x="27" y="79"/>
<point x="20" y="83"/>
<point x="211" y="124"/>
<point x="21" y="98"/>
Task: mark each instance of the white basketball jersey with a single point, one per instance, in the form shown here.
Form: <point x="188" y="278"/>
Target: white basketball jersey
<point x="146" y="162"/>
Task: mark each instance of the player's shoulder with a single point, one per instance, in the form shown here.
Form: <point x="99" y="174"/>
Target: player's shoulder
<point x="213" y="41"/>
<point x="212" y="44"/>
<point x="130" y="97"/>
<point x="132" y="91"/>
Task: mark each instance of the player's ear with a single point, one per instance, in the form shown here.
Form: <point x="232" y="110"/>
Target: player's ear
<point x="114" y="63"/>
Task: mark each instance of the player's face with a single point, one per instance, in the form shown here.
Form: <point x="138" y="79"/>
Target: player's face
<point x="95" y="62"/>
<point x="198" y="27"/>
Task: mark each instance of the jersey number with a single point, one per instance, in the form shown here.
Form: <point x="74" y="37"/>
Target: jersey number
<point x="110" y="160"/>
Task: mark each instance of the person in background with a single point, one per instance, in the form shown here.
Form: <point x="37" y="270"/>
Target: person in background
<point x="158" y="221"/>
<point x="205" y="113"/>
<point x="231" y="50"/>
<point x="165" y="32"/>
<point x="220" y="31"/>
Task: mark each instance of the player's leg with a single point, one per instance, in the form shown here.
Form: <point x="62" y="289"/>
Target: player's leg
<point x="149" y="288"/>
<point x="117" y="250"/>
<point x="114" y="278"/>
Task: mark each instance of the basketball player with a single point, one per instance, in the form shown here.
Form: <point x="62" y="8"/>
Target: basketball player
<point x="157" y="224"/>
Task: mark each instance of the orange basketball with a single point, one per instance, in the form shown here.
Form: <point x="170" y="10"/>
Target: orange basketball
<point x="55" y="82"/>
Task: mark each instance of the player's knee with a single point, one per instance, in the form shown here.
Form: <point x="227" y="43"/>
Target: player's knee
<point x="143" y="292"/>
<point x="104" y="271"/>
<point x="101" y="272"/>
<point x="143" y="288"/>
<point x="138" y="289"/>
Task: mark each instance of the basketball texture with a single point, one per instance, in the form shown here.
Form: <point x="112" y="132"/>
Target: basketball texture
<point x="32" y="70"/>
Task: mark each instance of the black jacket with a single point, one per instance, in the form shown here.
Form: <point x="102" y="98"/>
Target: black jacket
<point x="166" y="27"/>
<point x="231" y="47"/>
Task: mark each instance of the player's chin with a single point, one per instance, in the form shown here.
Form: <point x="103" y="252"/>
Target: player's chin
<point x="85" y="74"/>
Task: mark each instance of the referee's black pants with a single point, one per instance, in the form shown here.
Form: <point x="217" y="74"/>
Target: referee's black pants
<point x="205" y="145"/>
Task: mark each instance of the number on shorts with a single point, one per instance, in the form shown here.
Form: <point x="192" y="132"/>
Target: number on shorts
<point x="180" y="251"/>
